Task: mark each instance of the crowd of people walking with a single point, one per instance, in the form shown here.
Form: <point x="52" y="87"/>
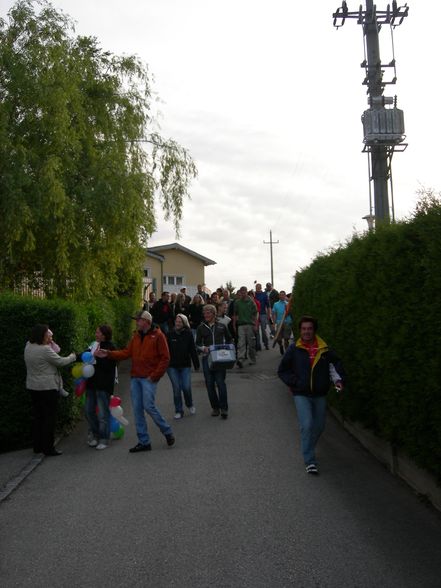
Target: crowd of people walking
<point x="174" y="333"/>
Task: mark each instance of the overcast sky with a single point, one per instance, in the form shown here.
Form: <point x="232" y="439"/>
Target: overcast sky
<point x="267" y="97"/>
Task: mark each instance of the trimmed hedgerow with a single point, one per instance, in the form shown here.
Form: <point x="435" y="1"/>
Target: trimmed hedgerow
<point x="74" y="327"/>
<point x="123" y="309"/>
<point x="378" y="302"/>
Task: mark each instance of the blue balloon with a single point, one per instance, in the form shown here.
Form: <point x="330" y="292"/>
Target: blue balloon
<point x="78" y="381"/>
<point x="87" y="357"/>
<point x="114" y="424"/>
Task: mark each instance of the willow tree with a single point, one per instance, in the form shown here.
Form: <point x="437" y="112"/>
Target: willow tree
<point x="80" y="164"/>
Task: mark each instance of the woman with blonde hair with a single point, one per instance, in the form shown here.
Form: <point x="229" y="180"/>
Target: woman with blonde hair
<point x="181" y="306"/>
<point x="195" y="313"/>
<point x="212" y="332"/>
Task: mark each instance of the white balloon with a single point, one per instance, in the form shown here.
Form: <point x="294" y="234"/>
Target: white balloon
<point x="117" y="413"/>
<point x="88" y="370"/>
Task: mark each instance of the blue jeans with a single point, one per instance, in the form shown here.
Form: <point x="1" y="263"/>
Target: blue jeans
<point x="311" y="413"/>
<point x="213" y="378"/>
<point x="263" y="322"/>
<point x="181" y="380"/>
<point x="143" y="392"/>
<point x="99" y="424"/>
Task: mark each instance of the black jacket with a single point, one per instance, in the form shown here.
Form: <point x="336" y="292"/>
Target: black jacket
<point x="104" y="376"/>
<point x="216" y="335"/>
<point x="295" y="369"/>
<point x="195" y="315"/>
<point x="182" y="349"/>
<point x="162" y="312"/>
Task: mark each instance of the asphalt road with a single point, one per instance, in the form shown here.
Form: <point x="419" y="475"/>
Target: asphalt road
<point x="230" y="505"/>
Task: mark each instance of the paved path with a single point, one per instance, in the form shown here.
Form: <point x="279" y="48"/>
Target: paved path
<point x="229" y="506"/>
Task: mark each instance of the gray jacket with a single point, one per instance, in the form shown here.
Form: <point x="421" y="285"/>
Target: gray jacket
<point x="42" y="365"/>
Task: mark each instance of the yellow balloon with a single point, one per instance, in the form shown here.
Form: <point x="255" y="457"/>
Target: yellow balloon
<point x="77" y="370"/>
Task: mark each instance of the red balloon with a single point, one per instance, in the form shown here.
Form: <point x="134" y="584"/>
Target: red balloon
<point x="115" y="401"/>
<point x="80" y="388"/>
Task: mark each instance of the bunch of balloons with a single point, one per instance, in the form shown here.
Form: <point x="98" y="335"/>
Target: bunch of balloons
<point x="117" y="418"/>
<point x="82" y="371"/>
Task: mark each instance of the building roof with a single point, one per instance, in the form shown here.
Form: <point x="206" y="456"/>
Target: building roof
<point x="155" y="255"/>
<point x="159" y="249"/>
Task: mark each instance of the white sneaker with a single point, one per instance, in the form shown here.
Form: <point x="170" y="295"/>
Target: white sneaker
<point x="192" y="410"/>
<point x="102" y="446"/>
<point x="312" y="469"/>
<point x="178" y="415"/>
<point x="92" y="443"/>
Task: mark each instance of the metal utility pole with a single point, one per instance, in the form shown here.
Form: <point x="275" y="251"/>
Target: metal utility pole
<point x="271" y="243"/>
<point x="383" y="127"/>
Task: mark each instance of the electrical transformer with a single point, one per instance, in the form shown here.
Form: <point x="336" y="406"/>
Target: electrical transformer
<point x="384" y="126"/>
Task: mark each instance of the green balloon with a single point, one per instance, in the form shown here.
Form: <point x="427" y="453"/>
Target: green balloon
<point x="119" y="434"/>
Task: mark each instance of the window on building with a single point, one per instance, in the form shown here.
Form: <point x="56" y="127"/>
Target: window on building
<point x="173" y="280"/>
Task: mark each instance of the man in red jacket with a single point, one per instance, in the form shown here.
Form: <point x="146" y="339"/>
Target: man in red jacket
<point x="150" y="358"/>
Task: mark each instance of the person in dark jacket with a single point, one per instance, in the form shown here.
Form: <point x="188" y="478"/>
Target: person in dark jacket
<point x="182" y="353"/>
<point x="181" y="306"/>
<point x="308" y="367"/>
<point x="162" y="313"/>
<point x="195" y="315"/>
<point x="99" y="389"/>
<point x="212" y="332"/>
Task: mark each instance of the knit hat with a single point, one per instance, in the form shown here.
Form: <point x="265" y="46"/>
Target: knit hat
<point x="184" y="319"/>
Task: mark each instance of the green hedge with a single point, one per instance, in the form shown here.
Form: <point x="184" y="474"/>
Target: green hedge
<point x="74" y="327"/>
<point x="378" y="303"/>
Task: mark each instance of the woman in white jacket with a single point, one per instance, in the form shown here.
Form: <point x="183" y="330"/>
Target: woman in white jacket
<point x="43" y="381"/>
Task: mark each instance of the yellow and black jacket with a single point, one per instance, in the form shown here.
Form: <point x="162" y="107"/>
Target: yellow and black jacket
<point x="302" y="378"/>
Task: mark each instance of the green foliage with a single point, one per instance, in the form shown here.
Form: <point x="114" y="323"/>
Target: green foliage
<point x="229" y="286"/>
<point x="79" y="167"/>
<point x="378" y="304"/>
<point x="17" y="316"/>
<point x="74" y="327"/>
<point x="123" y="310"/>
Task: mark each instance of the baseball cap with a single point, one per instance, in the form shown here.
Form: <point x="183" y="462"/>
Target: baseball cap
<point x="143" y="314"/>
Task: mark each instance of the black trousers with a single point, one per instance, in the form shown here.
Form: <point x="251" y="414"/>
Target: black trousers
<point x="44" y="413"/>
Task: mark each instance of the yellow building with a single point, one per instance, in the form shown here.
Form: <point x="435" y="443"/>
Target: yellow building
<point x="172" y="267"/>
